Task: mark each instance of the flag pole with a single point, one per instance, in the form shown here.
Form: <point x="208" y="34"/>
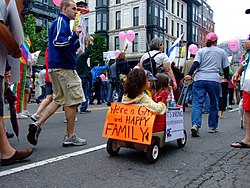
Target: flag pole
<point x="180" y="49"/>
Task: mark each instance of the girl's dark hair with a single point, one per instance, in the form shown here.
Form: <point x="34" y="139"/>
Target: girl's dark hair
<point x="135" y="83"/>
<point x="209" y="43"/>
<point x="162" y="81"/>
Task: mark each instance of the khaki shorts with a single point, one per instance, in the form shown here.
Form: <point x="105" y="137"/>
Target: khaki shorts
<point x="67" y="87"/>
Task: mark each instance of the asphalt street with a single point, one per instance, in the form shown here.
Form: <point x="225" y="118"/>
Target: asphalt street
<point x="206" y="161"/>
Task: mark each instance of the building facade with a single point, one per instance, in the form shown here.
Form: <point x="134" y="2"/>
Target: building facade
<point x="166" y="19"/>
<point x="44" y="10"/>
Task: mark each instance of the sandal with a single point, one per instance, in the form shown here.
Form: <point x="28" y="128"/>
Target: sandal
<point x="239" y="145"/>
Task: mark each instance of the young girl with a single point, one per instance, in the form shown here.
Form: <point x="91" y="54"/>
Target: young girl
<point x="134" y="86"/>
<point x="162" y="88"/>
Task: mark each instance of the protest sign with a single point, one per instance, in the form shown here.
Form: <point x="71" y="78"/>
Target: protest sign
<point x="132" y="123"/>
<point x="174" y="124"/>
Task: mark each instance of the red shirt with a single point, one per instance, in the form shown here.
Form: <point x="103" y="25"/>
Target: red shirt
<point x="161" y="96"/>
<point x="47" y="65"/>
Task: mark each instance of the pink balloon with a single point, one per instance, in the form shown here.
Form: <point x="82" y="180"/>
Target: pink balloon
<point x="117" y="52"/>
<point x="233" y="45"/>
<point x="130" y="35"/>
<point x="193" y="49"/>
<point x="122" y="36"/>
<point x="57" y="2"/>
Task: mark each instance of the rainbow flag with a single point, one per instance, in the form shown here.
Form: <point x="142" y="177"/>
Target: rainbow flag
<point x="25" y="48"/>
<point x="23" y="70"/>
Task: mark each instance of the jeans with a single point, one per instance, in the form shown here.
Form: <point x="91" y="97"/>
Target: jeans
<point x="85" y="87"/>
<point x="119" y="89"/>
<point x="200" y="89"/>
<point x="206" y="105"/>
<point x="104" y="91"/>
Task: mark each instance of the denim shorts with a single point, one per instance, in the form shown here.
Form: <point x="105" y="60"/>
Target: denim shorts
<point x="48" y="88"/>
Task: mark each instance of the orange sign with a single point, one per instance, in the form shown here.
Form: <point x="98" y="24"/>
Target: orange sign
<point x="132" y="123"/>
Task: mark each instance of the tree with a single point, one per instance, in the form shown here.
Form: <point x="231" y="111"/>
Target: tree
<point x="38" y="39"/>
<point x="98" y="48"/>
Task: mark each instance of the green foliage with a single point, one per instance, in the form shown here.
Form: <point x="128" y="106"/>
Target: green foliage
<point x="38" y="40"/>
<point x="98" y="48"/>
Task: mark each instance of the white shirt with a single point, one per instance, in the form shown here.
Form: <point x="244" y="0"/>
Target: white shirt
<point x="160" y="59"/>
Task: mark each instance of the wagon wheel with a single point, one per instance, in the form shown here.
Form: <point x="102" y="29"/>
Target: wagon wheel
<point x="153" y="152"/>
<point x="182" y="141"/>
<point x="112" y="147"/>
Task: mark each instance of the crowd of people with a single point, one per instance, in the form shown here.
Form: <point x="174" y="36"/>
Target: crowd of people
<point x="68" y="80"/>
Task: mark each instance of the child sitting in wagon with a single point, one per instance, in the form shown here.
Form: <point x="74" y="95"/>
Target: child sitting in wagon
<point x="134" y="88"/>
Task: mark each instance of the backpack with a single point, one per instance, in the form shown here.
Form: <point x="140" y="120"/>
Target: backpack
<point x="150" y="64"/>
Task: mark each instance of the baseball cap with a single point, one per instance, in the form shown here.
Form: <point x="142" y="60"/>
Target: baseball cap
<point x="212" y="37"/>
<point x="193" y="49"/>
<point x="151" y="76"/>
<point x="247" y="11"/>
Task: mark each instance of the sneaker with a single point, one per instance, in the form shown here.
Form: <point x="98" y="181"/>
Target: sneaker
<point x="213" y="130"/>
<point x="35" y="117"/>
<point x="85" y="112"/>
<point x="108" y="103"/>
<point x="230" y="107"/>
<point x="65" y="120"/>
<point x="74" y="141"/>
<point x="34" y="131"/>
<point x="26" y="113"/>
<point x="21" y="116"/>
<point x="195" y="131"/>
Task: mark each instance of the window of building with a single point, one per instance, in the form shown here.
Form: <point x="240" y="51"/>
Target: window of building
<point x="101" y="3"/>
<point x="104" y="21"/>
<point x="172" y="27"/>
<point x="117" y="43"/>
<point x="136" y="16"/>
<point x="166" y="24"/>
<point x="98" y="22"/>
<point x="118" y="1"/>
<point x="195" y="34"/>
<point x="167" y="46"/>
<point x="167" y="6"/>
<point x="39" y="22"/>
<point x="156" y="15"/>
<point x="178" y="9"/>
<point x="195" y="13"/>
<point x="45" y="1"/>
<point x="118" y="20"/>
<point x="178" y="30"/>
<point x="161" y="18"/>
<point x="135" y="43"/>
<point x="150" y="19"/>
<point x="173" y="6"/>
<point x="182" y="11"/>
<point x="182" y="30"/>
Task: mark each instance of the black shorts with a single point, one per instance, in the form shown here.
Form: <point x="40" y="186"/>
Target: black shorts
<point x="48" y="88"/>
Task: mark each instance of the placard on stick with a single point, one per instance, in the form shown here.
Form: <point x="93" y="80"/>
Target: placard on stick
<point x="132" y="123"/>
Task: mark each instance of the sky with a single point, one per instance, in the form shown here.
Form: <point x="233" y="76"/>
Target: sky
<point x="230" y="19"/>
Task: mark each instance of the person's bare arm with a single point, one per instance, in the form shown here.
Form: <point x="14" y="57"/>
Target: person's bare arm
<point x="8" y="41"/>
<point x="170" y="73"/>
